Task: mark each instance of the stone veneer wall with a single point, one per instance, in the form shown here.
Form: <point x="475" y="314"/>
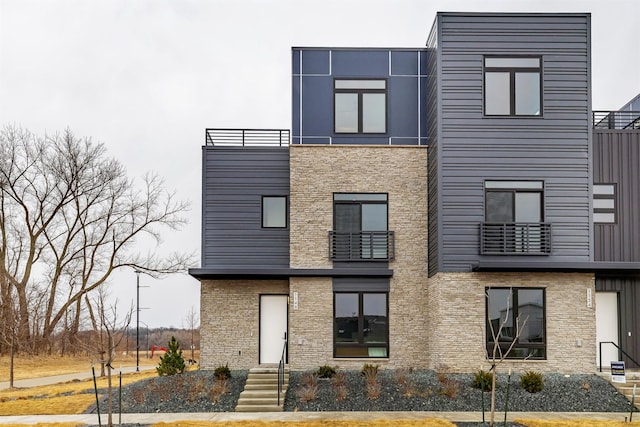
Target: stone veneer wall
<point x="457" y="320"/>
<point x="229" y="320"/>
<point x="316" y="172"/>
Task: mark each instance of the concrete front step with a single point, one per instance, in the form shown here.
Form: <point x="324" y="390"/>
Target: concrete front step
<point x="254" y="380"/>
<point x="260" y="392"/>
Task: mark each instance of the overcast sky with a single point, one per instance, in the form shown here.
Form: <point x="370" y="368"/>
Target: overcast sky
<point x="146" y="77"/>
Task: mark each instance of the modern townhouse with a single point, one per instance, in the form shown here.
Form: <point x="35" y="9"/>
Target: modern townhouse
<point x="427" y="202"/>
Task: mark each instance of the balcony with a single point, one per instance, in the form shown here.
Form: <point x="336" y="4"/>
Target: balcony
<point x="361" y="246"/>
<point x="247" y="137"/>
<point x="515" y="238"/>
<point x="616" y="119"/>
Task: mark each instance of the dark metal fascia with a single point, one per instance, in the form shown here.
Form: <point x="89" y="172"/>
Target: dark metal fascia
<point x="284" y="273"/>
<point x="565" y="267"/>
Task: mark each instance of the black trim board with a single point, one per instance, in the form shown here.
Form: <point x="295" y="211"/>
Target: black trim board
<point x="284" y="273"/>
<point x="576" y="267"/>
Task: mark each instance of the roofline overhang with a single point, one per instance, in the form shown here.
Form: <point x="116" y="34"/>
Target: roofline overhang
<point x="599" y="267"/>
<point x="284" y="273"/>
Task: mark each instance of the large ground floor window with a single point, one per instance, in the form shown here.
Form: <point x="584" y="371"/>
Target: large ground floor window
<point x="516" y="316"/>
<point x="361" y="324"/>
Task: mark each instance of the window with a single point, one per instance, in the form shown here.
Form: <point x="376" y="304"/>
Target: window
<point x="360" y="227"/>
<point x="512" y="86"/>
<point x="360" y="106"/>
<point x="274" y="211"/>
<point x="516" y="310"/>
<point x="604" y="203"/>
<point x="513" y="219"/>
<point x="361" y="327"/>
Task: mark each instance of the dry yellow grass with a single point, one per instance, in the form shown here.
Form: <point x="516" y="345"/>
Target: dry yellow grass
<point x="24" y="401"/>
<point x="42" y="366"/>
<point x="45" y="425"/>
<point x="75" y="404"/>
<point x="573" y="423"/>
<point x="321" y="423"/>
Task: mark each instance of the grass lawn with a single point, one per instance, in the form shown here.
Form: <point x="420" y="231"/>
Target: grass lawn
<point x="65" y="398"/>
<point x="42" y="366"/>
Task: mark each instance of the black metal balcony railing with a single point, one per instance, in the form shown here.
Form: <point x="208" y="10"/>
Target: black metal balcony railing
<point x="247" y="137"/>
<point x="362" y="246"/>
<point x="616" y="119"/>
<point x="515" y="238"/>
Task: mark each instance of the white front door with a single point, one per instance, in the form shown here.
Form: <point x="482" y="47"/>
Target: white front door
<point x="273" y="327"/>
<point x="606" y="327"/>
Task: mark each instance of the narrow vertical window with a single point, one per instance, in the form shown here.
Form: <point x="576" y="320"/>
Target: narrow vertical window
<point x="604" y="203"/>
<point x="274" y="212"/>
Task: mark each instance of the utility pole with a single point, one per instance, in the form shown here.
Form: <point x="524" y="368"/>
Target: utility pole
<point x="137" y="320"/>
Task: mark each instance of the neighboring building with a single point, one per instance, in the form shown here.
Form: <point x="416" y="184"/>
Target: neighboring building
<point x="425" y="198"/>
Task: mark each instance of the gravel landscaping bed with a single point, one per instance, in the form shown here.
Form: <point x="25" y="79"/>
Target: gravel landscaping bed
<point x="424" y="391"/>
<point x="186" y="392"/>
<point x="420" y="390"/>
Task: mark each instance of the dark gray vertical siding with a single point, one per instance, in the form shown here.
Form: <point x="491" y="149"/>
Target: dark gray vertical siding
<point x="553" y="148"/>
<point x="431" y="114"/>
<point x="234" y="181"/>
<point x="628" y="289"/>
<point x="617" y="161"/>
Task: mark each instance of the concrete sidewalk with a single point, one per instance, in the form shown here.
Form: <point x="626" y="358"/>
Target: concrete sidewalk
<point x="310" y="416"/>
<point x="56" y="379"/>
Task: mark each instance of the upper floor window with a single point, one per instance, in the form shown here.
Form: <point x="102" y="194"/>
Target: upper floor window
<point x="514" y="219"/>
<point x="513" y="201"/>
<point x="360" y="106"/>
<point x="512" y="86"/>
<point x="604" y="203"/>
<point x="274" y="211"/>
<point x="360" y="231"/>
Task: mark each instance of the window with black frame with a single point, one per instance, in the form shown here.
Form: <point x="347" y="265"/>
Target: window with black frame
<point x="512" y="86"/>
<point x="360" y="230"/>
<point x="360" y="106"/>
<point x="514" y="219"/>
<point x="361" y="324"/>
<point x="516" y="315"/>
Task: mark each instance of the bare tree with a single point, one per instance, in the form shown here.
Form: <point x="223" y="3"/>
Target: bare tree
<point x="193" y="323"/>
<point x="106" y="323"/>
<point x="68" y="209"/>
<point x="497" y="355"/>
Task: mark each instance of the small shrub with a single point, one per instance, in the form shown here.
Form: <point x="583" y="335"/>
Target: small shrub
<point x="401" y="376"/>
<point x="172" y="362"/>
<point x="370" y="372"/>
<point x="309" y="379"/>
<point x="308" y="393"/>
<point x="374" y="390"/>
<point x="531" y="381"/>
<point x="450" y="388"/>
<point x="339" y="379"/>
<point x="222" y="372"/>
<point x="220" y="387"/>
<point x="408" y="389"/>
<point x="138" y="395"/>
<point x="341" y="392"/>
<point x="326" y="371"/>
<point x="482" y="380"/>
<point x="367" y="367"/>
